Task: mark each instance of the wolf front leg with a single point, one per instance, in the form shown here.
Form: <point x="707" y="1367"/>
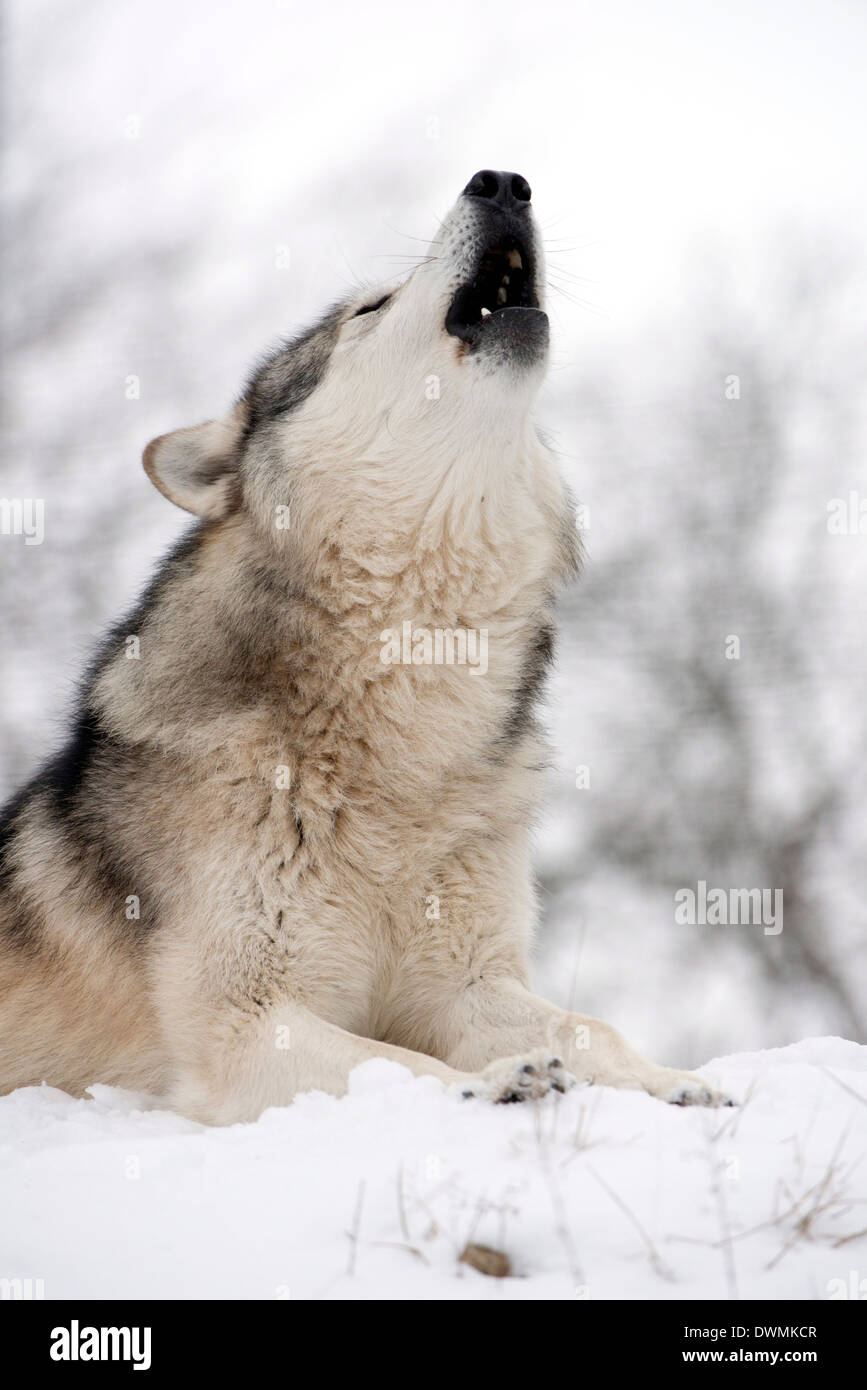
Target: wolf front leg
<point x="239" y="1040"/>
<point x="500" y="1017"/>
<point x="240" y="1068"/>
<point x="463" y="991"/>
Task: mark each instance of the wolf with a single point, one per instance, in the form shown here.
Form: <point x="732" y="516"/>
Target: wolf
<point x="266" y="854"/>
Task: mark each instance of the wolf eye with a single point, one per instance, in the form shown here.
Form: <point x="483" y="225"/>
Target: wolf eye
<point x="372" y="308"/>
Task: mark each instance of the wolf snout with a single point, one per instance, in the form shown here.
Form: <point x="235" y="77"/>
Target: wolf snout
<point x="500" y="187"/>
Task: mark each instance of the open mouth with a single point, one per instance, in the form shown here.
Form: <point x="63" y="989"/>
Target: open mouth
<point x="503" y="280"/>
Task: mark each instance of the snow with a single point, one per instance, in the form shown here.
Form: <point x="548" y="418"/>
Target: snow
<point x="598" y="1194"/>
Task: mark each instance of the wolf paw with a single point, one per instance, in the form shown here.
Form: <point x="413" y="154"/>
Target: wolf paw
<point x="514" y="1079"/>
<point x="691" y="1090"/>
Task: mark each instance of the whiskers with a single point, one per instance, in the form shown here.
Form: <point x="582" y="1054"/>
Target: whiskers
<point x="568" y="291"/>
<point x="564" y="281"/>
<point x="426" y="240"/>
<point x="406" y="262"/>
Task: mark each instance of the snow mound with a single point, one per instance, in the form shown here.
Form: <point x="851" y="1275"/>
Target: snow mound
<point x="597" y="1194"/>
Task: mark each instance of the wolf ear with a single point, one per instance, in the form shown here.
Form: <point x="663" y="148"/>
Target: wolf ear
<point x="197" y="468"/>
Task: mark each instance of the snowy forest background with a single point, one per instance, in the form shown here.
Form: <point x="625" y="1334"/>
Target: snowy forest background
<point x="185" y="183"/>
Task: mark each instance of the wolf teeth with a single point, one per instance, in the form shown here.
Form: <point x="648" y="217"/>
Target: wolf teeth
<point x="501" y="295"/>
<point x="515" y="260"/>
<point x="486" y="313"/>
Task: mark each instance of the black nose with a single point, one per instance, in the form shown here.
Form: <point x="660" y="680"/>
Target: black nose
<point x="501" y="187"/>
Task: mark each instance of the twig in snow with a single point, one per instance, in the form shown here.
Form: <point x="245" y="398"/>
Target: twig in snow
<point x="726" y="1244"/>
<point x="656" y="1260"/>
<point x="850" y="1090"/>
<point x="561" y="1224"/>
<point x="401" y="1205"/>
<point x="356" y="1227"/>
<point x="826" y="1195"/>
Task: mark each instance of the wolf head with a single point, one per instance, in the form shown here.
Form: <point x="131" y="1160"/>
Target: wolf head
<point x="400" y="403"/>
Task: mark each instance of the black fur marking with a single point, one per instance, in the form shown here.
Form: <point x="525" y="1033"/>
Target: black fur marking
<point x="61" y="777"/>
<point x="292" y="373"/>
<point x="178" y="561"/>
<point x="21" y="928"/>
<point x="64" y="773"/>
<point x="102" y="879"/>
<point x="90" y="749"/>
<point x="539" y="657"/>
<point x="8" y="818"/>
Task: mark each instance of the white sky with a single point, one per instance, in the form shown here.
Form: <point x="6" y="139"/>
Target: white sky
<point x="643" y="128"/>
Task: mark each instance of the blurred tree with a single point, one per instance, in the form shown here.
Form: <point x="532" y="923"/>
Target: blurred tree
<point x="714" y="606"/>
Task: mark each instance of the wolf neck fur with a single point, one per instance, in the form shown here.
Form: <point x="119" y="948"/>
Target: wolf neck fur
<point x="425" y="521"/>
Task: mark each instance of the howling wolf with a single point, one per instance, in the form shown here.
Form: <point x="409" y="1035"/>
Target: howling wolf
<point x="267" y="853"/>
